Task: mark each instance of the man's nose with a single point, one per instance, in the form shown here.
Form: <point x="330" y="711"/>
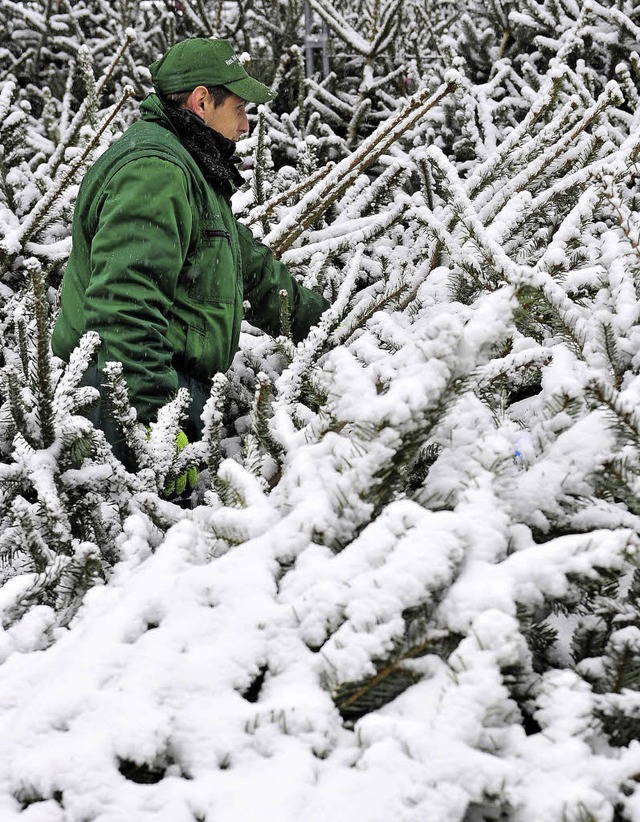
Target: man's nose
<point x="243" y="123"/>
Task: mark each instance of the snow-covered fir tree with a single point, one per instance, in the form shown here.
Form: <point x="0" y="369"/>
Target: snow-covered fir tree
<point x="407" y="586"/>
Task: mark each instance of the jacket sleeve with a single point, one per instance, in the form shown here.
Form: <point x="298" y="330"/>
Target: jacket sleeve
<point x="137" y="253"/>
<point x="264" y="278"/>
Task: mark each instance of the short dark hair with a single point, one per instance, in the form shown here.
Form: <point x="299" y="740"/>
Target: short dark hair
<point x="178" y="98"/>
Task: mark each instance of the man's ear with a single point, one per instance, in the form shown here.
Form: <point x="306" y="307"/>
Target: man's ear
<point x="195" y="101"/>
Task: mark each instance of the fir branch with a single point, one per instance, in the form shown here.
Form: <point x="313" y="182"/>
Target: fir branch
<point x="589" y="639"/>
<point x="392" y="296"/>
<point x="390" y="479"/>
<point x="22" y="339"/>
<point x="494" y="260"/>
<point x="292" y="380"/>
<point x="541" y="166"/>
<point x="344" y="235"/>
<point x="258" y="180"/>
<point x="612" y="399"/>
<point x="622" y="661"/>
<point x="14" y="398"/>
<point x="389" y="20"/>
<point x="125" y="415"/>
<point x="198" y="17"/>
<point x="71" y="131"/>
<point x="34" y="542"/>
<point x="162" y="514"/>
<point x="213" y="425"/>
<point x="337" y="23"/>
<point x="369" y="194"/>
<point x="541" y="638"/>
<point x="69" y="397"/>
<point x="129" y="38"/>
<point x="619" y="715"/>
<point x="261" y="413"/>
<point x="6" y="98"/>
<point x="611" y="348"/>
<point x="394" y="674"/>
<point x="43" y="388"/>
<point x="258" y="213"/>
<point x="362" y="110"/>
<point x="299" y="80"/>
<point x="165" y="459"/>
<point x="526" y="365"/>
<point x="285" y="314"/>
<point x="318" y="200"/>
<point x="544" y="305"/>
<point x="90" y="102"/>
<point x="354" y="700"/>
<point x="489" y="171"/>
<point x="41" y="211"/>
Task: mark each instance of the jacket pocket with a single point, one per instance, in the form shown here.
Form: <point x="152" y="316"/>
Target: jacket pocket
<point x="209" y="233"/>
<point x="213" y="276"/>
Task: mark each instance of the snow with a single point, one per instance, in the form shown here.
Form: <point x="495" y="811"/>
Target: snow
<point x="158" y="665"/>
<point x="104" y="693"/>
<point x="222" y="665"/>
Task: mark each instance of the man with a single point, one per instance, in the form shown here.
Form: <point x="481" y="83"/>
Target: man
<point x="159" y="267"/>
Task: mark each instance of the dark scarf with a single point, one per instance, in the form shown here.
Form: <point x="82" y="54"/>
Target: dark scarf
<point x="212" y="152"/>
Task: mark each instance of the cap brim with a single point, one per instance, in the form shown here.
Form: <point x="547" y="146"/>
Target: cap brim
<point x="253" y="91"/>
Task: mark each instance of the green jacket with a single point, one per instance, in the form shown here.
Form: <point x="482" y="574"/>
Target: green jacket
<point x="160" y="268"/>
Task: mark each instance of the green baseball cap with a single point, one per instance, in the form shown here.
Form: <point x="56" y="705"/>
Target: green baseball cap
<point x="203" y="62"/>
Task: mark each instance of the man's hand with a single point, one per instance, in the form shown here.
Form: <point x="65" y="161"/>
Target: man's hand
<point x="187" y="479"/>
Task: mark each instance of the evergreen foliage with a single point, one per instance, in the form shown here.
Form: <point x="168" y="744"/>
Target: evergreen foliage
<point x="64" y="497"/>
<point x="416" y="530"/>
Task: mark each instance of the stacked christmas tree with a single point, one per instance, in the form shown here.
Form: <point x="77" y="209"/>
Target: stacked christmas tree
<point x="407" y="584"/>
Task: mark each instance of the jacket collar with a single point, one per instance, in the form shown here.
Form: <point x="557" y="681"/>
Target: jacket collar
<point x="212" y="151"/>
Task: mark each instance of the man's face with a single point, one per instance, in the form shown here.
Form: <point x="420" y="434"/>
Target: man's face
<point x="229" y="118"/>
